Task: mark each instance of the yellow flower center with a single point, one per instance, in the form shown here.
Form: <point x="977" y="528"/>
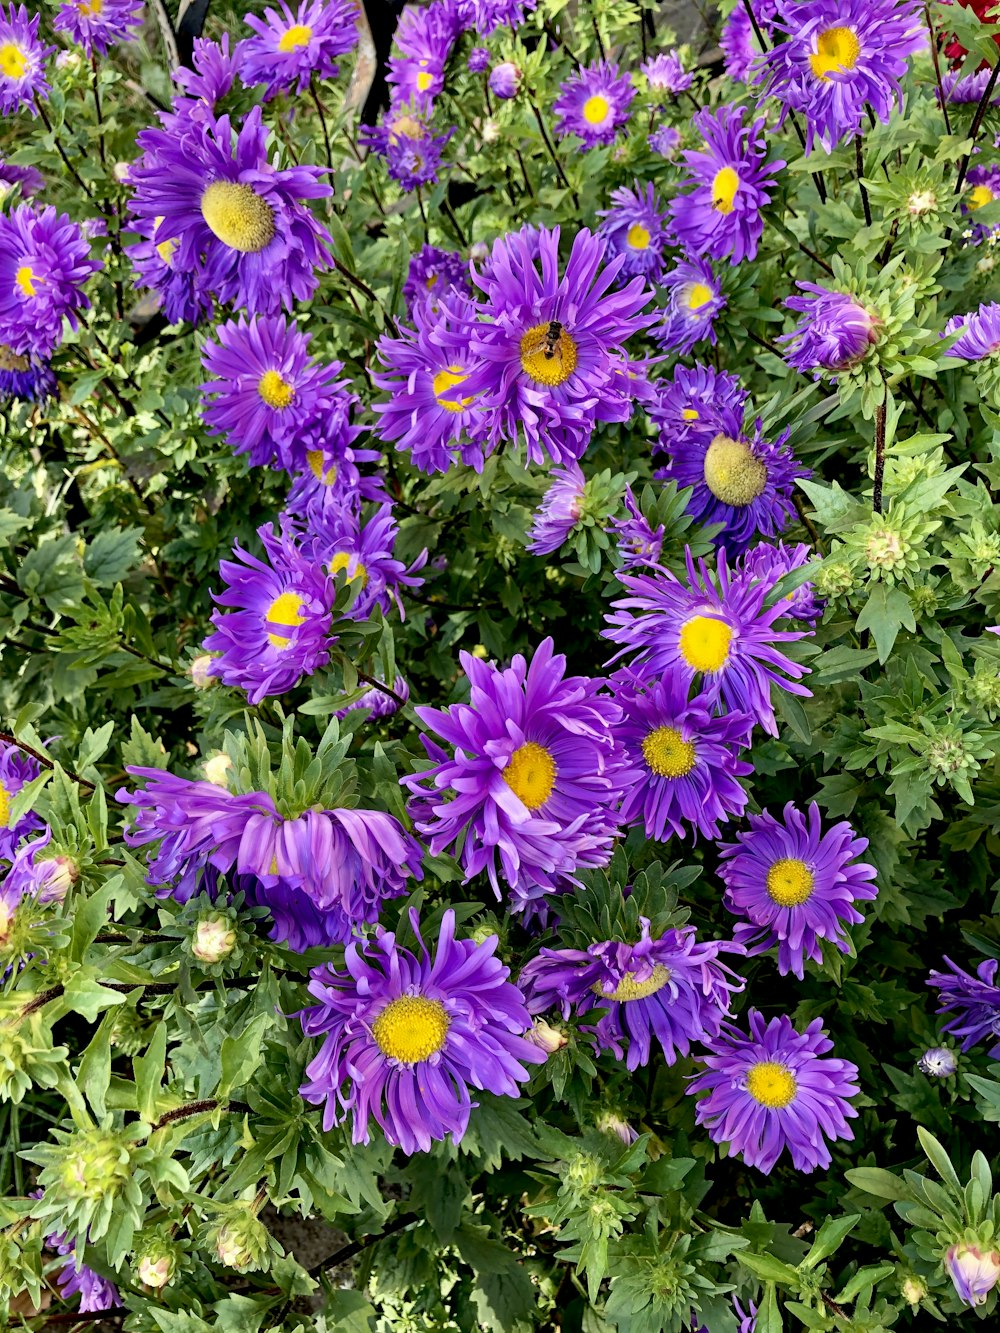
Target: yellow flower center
<point x="294" y="37"/>
<point x="548" y="354"/>
<point x="595" y="109"/>
<point x="630" y="989"/>
<point x="696" y="294"/>
<point x="406" y="127"/>
<point x="771" y="1084"/>
<point x="240" y="218"/>
<point x="424" y="81"/>
<point x="980" y="196"/>
<point x="667" y="753"/>
<point x="690" y="414"/>
<point x="26" y="278"/>
<point x="837" y="51"/>
<point x="274" y="390"/>
<point x="344" y="560"/>
<point x="531" y="774"/>
<point x="284" y="610"/>
<point x="4" y="806"/>
<point x="9" y="360"/>
<point x="724" y="189"/>
<point x="447" y="379"/>
<point x="789" y="882"/>
<point x="638" y="236"/>
<point x="732" y="473"/>
<point x="13" y="61"/>
<point x="314" y="461"/>
<point x="90" y="8"/>
<point x="411" y="1029"/>
<point x="6" y="917"/>
<point x="704" y="643"/>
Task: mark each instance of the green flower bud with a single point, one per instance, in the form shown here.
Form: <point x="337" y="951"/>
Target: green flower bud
<point x="242" y="1241"/>
<point x="834" y="578"/>
<point x="95" y="1165"/>
<point x="213" y="939"/>
<point x="583" y="1172"/>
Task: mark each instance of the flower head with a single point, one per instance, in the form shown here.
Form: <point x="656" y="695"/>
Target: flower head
<point x="975" y="1271"/>
<point x="665" y="73"/>
<point x="639" y="543"/>
<point x="693" y="407"/>
<point x="76" y="1279"/>
<point x="694" y="298"/>
<point x="36" y="873"/>
<point x="559" y="512"/>
<point x="980" y="333"/>
<point x="424" y="39"/>
<point x="213" y="72"/>
<point x="505" y="80"/>
<point x="16" y="769"/>
<point x="97" y="25"/>
<point x="379" y="702"/>
<point x="835" y="333"/>
<point x="363" y="552"/>
<point x="636" y="226"/>
<point x="938" y="1061"/>
<point x="27" y="179"/>
<point x="434" y="274"/>
<point x="412" y="151"/>
<point x="25" y="376"/>
<point x="739" y="41"/>
<point x="593" y="104"/>
<point x="771" y="563"/>
<point x="44" y="264"/>
<point x="22" y="61"/>
<point x="665" y="140"/>
<point x="290" y="47"/>
<point x="479" y="60"/>
<point x="973" y="1000"/>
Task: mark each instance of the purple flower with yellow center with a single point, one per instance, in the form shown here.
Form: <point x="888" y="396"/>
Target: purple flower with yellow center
<point x="836" y="331"/>
<point x="267" y="390"/>
<point x="505" y="80"/>
<point x="982" y="187"/>
<point x="769" y="564"/>
<point x="16" y="769"/>
<point x="639" y="543"/>
<point x="672" y="989"/>
<point x="97" y="25"/>
<point x="795" y="885"/>
<point x="980" y="330"/>
<point x="938" y="1061"/>
<point x="25" y="376"/>
<point x="529" y="790"/>
<point x="363" y="553"/>
<point x="713" y="631"/>
<point x="412" y="151"/>
<point x="665" y="140"/>
<point x="684" y="761"/>
<point x="694" y="298"/>
<point x="594" y="104"/>
<point x="739" y="42"/>
<point x="379" y="702"/>
<point x="636" y="226"/>
<point x="559" y="512"/>
<point x="434" y="274"/>
<point x="772" y="1089"/>
<point x="180" y="292"/>
<point x="22" y="61"/>
<point x="694" y="406"/>
<point x="406" y="1036"/>
<point x="290" y="46"/>
<point x="731" y="184"/>
<point x="424" y="38"/>
<point x="832" y="58"/>
<point x="276" y="625"/>
<point x="325" y="469"/>
<point x="44" y="264"/>
<point x="974" y="1270"/>
<point x="234" y="219"/>
<point x="550" y="348"/>
<point x="973" y="1000"/>
<point x="665" y="73"/>
<point x="26" y="179"/>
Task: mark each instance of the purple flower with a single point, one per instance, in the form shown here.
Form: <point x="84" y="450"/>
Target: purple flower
<point x="684" y="762"/>
<point x="16" y="769"/>
<point x="44" y="264"/>
<point x="214" y="71"/>
<point x="236" y="222"/>
<point x="593" y="104"/>
<point x="363" y="552"/>
<point x="795" y="885"/>
<point x="530" y="787"/>
<point x="479" y="60"/>
<point x="27" y="179"/>
<point x="44" y="877"/>
<point x="740" y="47"/>
<point x="378" y="702"/>
<point x="665" y="140"/>
<point x="962" y="91"/>
<point x="974" y="1001"/>
<point x="666" y="73"/>
<point x="26" y="376"/>
<point x="636" y="226"/>
<point x="559" y="512"/>
<point x="714" y="631"/>
<point x="22" y="61"/>
<point x="772" y="563"/>
<point x="290" y="47"/>
<point x="771" y="1090"/>
<point x="434" y="274"/>
<point x="747" y="1317"/>
<point x="673" y="989"/>
<point x="180" y="292"/>
<point x="550" y="349"/>
<point x="97" y="25"/>
<point x="975" y="1271"/>
<point x="721" y="214"/>
<point x="980" y="331"/>
<point x="837" y="331"/>
<point x="505" y="80"/>
<point x="693" y="407"/>
<point x="638" y="542"/>
<point x="75" y="1278"/>
<point x="938" y="1061"/>
<point x="326" y="473"/>
<point x="836" y="56"/>
<point x="982" y="187"/>
<point x="488" y="15"/>
<point x="424" y="38"/>
<point x="406" y="1036"/>
<point x="411" y="150"/>
<point x="694" y="298"/>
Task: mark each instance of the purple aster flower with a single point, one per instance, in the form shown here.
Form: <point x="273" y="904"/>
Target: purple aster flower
<point x="434" y="274"/>
<point x="179" y="292"/>
<point x="214" y="71"/>
<point x="694" y="406"/>
<point x="593" y="104"/>
<point x="363" y="552"/>
<point x="291" y="46"/>
<point x="684" y="762"/>
<point x="961" y="91"/>
<point x="26" y="376"/>
<point x="837" y="56"/>
<point x="27" y="179"/>
<point x="771" y="1090"/>
<point x="636" y="226"/>
<point x="772" y="563"/>
<point x="479" y="60"/>
<point x="639" y="543"/>
<point x="740" y="46"/>
<point x="982" y="187"/>
<point x="267" y="389"/>
<point x="938" y="1061"/>
<point x="795" y="885"/>
<point x="97" y="25"/>
<point x="428" y="412"/>
<point x="277" y="627"/>
<point x="721" y="214"/>
<point x="378" y="702"/>
<point x="326" y="473"/>
<point x="717" y="631"/>
<point x="16" y="769"/>
<point x="76" y="1279"/>
<point x="33" y="873"/>
<point x="747" y="1317"/>
<point x="975" y="1271"/>
<point x="488" y="15"/>
<point x="694" y="298"/>
<point x="406" y="1036"/>
<point x="559" y="512"/>
<point x="666" y="73"/>
<point x="22" y="61"/>
<point x="673" y="989"/>
<point x="235" y="220"/>
<point x="980" y="330"/>
<point x="666" y="141"/>
<point x="44" y="264"/>
<point x="533" y="776"/>
<point x="550" y="348"/>
<point x="424" y="38"/>
<point x="974" y="1001"/>
<point x="411" y="150"/>
<point x="837" y="331"/>
<point x="505" y="80"/>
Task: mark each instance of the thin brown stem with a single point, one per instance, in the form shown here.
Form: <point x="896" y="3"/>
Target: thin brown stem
<point x="807" y="523"/>
<point x="552" y="151"/>
<point x="196" y="1108"/>
<point x="382" y="688"/>
<point x="937" y="67"/>
<point x="322" y="120"/>
<point x="62" y="152"/>
<point x="879" y="458"/>
<point x="861" y="184"/>
<point x="44" y="759"/>
<point x="977" y="121"/>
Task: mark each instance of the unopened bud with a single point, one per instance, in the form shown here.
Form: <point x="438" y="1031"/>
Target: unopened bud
<point x="201" y="672"/>
<point x="549" y="1039"/>
<point x="216" y="770"/>
<point x="156" y="1271"/>
<point x="213" y="940"/>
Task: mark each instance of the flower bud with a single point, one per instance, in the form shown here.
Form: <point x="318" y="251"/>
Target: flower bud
<point x="201" y="676"/>
<point x="939" y="1061"/>
<point x="914" y="1289"/>
<point x="95" y="1165"/>
<point x="491" y="131"/>
<point x="120" y="172"/>
<point x="921" y="202"/>
<point x="216" y="769"/>
<point x="56" y="876"/>
<point x="975" y="1272"/>
<point x="505" y="80"/>
<point x="156" y="1270"/>
<point x="213" y="939"/>
<point x="242" y="1242"/>
<point x="610" y="1123"/>
<point x="549" y="1039"/>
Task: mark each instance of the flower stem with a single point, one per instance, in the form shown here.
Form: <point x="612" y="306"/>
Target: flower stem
<point x="552" y="151"/>
<point x="977" y="121"/>
<point x="322" y="120"/>
<point x="937" y="67"/>
<point x="861" y="184"/>
<point x="879" y="458"/>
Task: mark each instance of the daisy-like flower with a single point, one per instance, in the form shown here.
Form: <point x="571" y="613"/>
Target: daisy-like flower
<point x="982" y="187"/>
<point x="214" y="70"/>
<point x="16" y="768"/>
<point x="45" y="876"/>
<point x="97" y="25"/>
<point x="639" y="543"/>
<point x="672" y="989"/>
<point x="434" y="274"/>
<point x="559" y="512"/>
<point x="770" y="564"/>
<point x="973" y="1000"/>
<point x="363" y="552"/>
<point x="27" y="180"/>
<point x="289" y="47"/>
<point x="731" y="184"/>
<point x="636" y="226"/>
<point x="550" y="348"/>
<point x="837" y="56"/>
<point x="739" y="42"/>
<point x="479" y="60"/>
<point x="747" y="1317"/>
<point x="528" y="792"/>
<point x="961" y="91"/>
<point x="235" y="220"/>
<point x="980" y="330"/>
<point x="717" y="632"/>
<point x="424" y="38"/>
<point x="795" y="885"/>
<point x="276" y="625"/>
<point x="684" y="762"/>
<point x="22" y="61"/>
<point x="379" y="702"/>
<point x="771" y="1090"/>
<point x="412" y="151"/>
<point x="326" y="472"/>
<point x="593" y="104"/>
<point x="267" y="389"/>
<point x="406" y="1036"/>
<point x="180" y="292"/>
<point x="974" y="1270"/>
<point x="691" y="408"/>
<point x="665" y="73"/>
<point x="835" y="333"/>
<point x="76" y="1279"/>
<point x="25" y="376"/>
<point x="694" y="298"/>
<point x="44" y="264"/>
<point x="488" y="15"/>
<point x="665" y="140"/>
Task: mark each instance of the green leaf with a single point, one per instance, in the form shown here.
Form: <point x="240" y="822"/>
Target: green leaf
<point x="505" y="1302"/>
<point x="94" y="1073"/>
<point x="110" y="556"/>
<point x="85" y="995"/>
<point x="881" y="1184"/>
<point x="886" y="612"/>
<point x="148" y="1070"/>
<point x="768" y="1312"/>
<point x="768" y="1268"/>
<point x="939" y="1159"/>
<point x="829" y="1239"/>
<point x="241" y="1056"/>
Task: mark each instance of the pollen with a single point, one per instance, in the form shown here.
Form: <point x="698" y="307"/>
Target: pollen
<point x="704" y="643"/>
<point x="4" y="807"/>
<point x="696" y="294"/>
<point x="295" y="37"/>
<point x="286" y="610"/>
<point x="531" y="774"/>
<point x="355" y="569"/>
<point x="11" y="360"/>
<point x="411" y="1029"/>
<point x="13" y="61"/>
<point x="790" y="882"/>
<point x="548" y="359"/>
<point x="638" y="237"/>
<point x="26" y="277"/>
<point x="630" y="989"/>
<point x="732" y="473"/>
<point x="447" y="379"/>
<point x="980" y="196"/>
<point x="406" y="127"/>
<point x="771" y="1084"/>
<point x="314" y="461"/>
<point x="837" y="52"/>
<point x="725" y="187"/>
<point x="667" y="753"/>
<point x="690" y="414"/>
<point x="238" y="216"/>
<point x="424" y="81"/>
<point x="595" y="109"/>
<point x="90" y="8"/>
<point x="274" y="390"/>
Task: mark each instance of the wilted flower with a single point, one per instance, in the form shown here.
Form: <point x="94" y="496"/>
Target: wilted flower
<point x="973" y="1000"/>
